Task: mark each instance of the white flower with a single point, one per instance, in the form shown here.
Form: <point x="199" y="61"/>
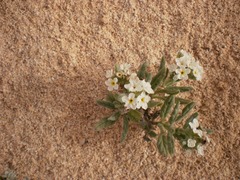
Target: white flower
<point x="183" y="62"/>
<point x="206" y="137"/>
<point x="112" y="84"/>
<point x="135" y="84"/>
<point x="133" y="77"/>
<point x="184" y="143"/>
<point x="194" y="64"/>
<point x="194" y="124"/>
<point x="182" y="73"/>
<point x="184" y="53"/>
<point x="125" y="68"/>
<point x="147" y="87"/>
<point x="198" y="72"/>
<point x="198" y="132"/>
<point x="142" y="100"/>
<point x="130" y="101"/>
<point x="200" y="149"/>
<point x="172" y="68"/>
<point x="109" y="73"/>
<point x="191" y="143"/>
<point x="119" y="74"/>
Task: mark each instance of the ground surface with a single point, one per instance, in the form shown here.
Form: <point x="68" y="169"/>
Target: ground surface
<point x="54" y="55"/>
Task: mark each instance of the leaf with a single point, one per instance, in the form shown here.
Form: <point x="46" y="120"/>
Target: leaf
<point x="193" y="116"/>
<point x="168" y="91"/>
<point x="174" y="90"/>
<point x="134" y="115"/>
<point x="103" y="123"/>
<point x="148" y="77"/>
<point x="184" y="88"/>
<point x="165" y="144"/>
<point x="174" y="113"/>
<point x="170" y="143"/>
<point x="117" y="68"/>
<point x="182" y="101"/>
<point x="169" y="106"/>
<point x="152" y="134"/>
<point x="166" y="126"/>
<point x="160" y="145"/>
<point x="166" y="75"/>
<point x="158" y="78"/>
<point x="162" y="64"/>
<point x="164" y="108"/>
<point x="111" y="97"/>
<point x="153" y="104"/>
<point x="170" y="81"/>
<point x="106" y="104"/>
<point x="186" y="110"/>
<point x="142" y="71"/>
<point x="115" y="116"/>
<point x="179" y="55"/>
<point x="125" y="128"/>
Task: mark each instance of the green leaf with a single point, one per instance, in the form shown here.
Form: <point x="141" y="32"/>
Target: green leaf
<point x="134" y="115"/>
<point x="185" y="110"/>
<point x="158" y="78"/>
<point x="170" y="81"/>
<point x="165" y="107"/>
<point x="182" y="101"/>
<point x="162" y="64"/>
<point x="165" y="144"/>
<point x="174" y="113"/>
<point x="193" y="116"/>
<point x="142" y="71"/>
<point x="153" y="104"/>
<point x="115" y="116"/>
<point x="160" y="145"/>
<point x="179" y="55"/>
<point x="174" y="90"/>
<point x="148" y="77"/>
<point x="168" y="91"/>
<point x="170" y="142"/>
<point x="106" y="104"/>
<point x="177" y="99"/>
<point x="152" y="134"/>
<point x="111" y="97"/>
<point x="125" y="128"/>
<point x="166" y="75"/>
<point x="184" y="88"/>
<point x="103" y="123"/>
<point x="117" y="68"/>
<point x="166" y="126"/>
<point x="169" y="106"/>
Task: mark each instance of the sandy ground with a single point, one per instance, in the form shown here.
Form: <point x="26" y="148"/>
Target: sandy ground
<point x="54" y="55"/>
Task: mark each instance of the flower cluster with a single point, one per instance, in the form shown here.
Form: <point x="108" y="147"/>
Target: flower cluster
<point x="194" y="125"/>
<point x="153" y="102"/>
<point x="186" y="67"/>
<point x="136" y="91"/>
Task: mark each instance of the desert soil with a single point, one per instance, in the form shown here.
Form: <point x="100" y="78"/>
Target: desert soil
<point x="54" y="55"/>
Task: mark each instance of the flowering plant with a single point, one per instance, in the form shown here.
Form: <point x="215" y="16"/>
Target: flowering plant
<point x="154" y="105"/>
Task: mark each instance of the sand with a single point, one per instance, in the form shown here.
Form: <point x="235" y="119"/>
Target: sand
<point x="54" y="55"/>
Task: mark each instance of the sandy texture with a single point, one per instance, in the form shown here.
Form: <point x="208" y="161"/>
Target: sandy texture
<point x="54" y="55"/>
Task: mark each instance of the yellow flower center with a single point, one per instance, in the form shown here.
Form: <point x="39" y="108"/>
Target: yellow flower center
<point x="113" y="83"/>
<point x="130" y="101"/>
<point x="142" y="99"/>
